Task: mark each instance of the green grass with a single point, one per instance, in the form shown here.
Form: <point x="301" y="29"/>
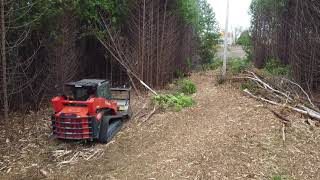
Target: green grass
<point x="239" y="65"/>
<point x="276" y="177"/>
<point x="235" y="65"/>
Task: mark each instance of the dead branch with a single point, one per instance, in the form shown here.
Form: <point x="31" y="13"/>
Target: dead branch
<point x="304" y="92"/>
<point x="284" y="120"/>
<point x="312" y="114"/>
<point x="141" y="109"/>
<point x="284" y="132"/>
<point x="267" y="86"/>
<point x="150" y="114"/>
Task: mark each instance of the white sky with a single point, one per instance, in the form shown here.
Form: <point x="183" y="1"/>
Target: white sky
<point x="238" y="12"/>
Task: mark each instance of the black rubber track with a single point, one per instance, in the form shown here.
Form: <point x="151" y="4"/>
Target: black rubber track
<point x="109" y="128"/>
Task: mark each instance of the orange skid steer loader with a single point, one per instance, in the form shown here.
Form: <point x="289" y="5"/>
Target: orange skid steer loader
<point x="93" y="111"/>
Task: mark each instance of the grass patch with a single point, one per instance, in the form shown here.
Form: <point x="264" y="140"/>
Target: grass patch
<point x="279" y="177"/>
<point x="276" y="177"/>
<point x="235" y="65"/>
<point x="274" y="67"/>
<point x="177" y="102"/>
<point x="186" y="86"/>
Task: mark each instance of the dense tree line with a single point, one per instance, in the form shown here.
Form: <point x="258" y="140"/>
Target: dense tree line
<point x="288" y="30"/>
<point x="46" y="43"/>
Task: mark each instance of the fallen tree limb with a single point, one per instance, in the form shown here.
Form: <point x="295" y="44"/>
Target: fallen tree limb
<point x="283" y="99"/>
<point x="283" y="119"/>
<point x="267" y="86"/>
<point x="306" y="111"/>
<point x="151" y="113"/>
<point x="115" y="50"/>
<point x="311" y="112"/>
<point x="141" y="109"/>
<point x="304" y="92"/>
<point x="284" y="133"/>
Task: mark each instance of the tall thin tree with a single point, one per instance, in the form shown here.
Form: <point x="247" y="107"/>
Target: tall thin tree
<point x="4" y="62"/>
<point x="225" y="54"/>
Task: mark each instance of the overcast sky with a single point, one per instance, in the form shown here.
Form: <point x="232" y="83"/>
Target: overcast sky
<point x="238" y="12"/>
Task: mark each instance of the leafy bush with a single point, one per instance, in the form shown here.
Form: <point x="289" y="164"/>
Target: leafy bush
<point x="215" y="64"/>
<point x="177" y="102"/>
<point x="186" y="86"/>
<point x="238" y="65"/>
<point x="274" y="67"/>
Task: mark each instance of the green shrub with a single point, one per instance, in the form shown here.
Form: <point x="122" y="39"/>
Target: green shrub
<point x="186" y="86"/>
<point x="274" y="67"/>
<point x="215" y="64"/>
<point x="238" y="65"/>
<point x="177" y="102"/>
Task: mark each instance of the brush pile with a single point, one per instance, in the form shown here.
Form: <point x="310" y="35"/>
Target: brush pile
<point x="280" y="92"/>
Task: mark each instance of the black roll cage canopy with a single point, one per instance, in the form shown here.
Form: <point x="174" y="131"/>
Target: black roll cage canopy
<point x="87" y="83"/>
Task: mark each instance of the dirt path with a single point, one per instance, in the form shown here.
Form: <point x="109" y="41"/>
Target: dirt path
<point x="226" y="135"/>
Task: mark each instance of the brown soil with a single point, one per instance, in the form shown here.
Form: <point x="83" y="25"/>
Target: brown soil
<point x="226" y="135"/>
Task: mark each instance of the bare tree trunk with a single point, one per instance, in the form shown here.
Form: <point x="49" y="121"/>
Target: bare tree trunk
<point x="153" y="40"/>
<point x="162" y="39"/>
<point x="4" y="64"/>
<point x="143" y="38"/>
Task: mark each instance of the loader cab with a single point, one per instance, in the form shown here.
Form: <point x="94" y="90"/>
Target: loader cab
<point x="87" y="88"/>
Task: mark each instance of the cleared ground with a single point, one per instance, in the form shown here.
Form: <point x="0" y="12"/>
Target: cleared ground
<point x="226" y="135"/>
<point x="233" y="52"/>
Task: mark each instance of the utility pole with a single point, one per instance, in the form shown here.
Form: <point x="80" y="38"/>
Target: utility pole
<point x="225" y="56"/>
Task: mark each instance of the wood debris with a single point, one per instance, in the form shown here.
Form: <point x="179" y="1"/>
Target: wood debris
<point x="282" y="97"/>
